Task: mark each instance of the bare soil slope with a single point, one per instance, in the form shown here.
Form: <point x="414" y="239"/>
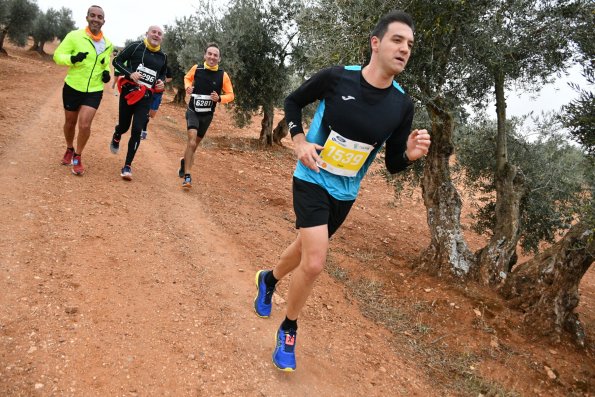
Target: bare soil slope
<point x="110" y="287"/>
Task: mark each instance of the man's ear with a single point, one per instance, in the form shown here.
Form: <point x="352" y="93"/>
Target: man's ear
<point x="374" y="43"/>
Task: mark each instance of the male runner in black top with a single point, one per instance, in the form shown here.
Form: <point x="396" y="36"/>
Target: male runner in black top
<point x="143" y="66"/>
<point x="207" y="85"/>
<point x="360" y="110"/>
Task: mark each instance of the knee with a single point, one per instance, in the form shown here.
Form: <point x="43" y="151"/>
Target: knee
<point x="313" y="266"/>
<point x="193" y="143"/>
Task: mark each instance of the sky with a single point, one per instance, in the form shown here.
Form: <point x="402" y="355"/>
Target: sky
<point x="129" y="19"/>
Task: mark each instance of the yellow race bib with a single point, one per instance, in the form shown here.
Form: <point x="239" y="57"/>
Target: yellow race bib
<point x="342" y="156"/>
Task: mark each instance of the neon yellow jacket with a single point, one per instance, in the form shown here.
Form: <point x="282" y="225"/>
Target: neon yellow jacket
<point x="84" y="76"/>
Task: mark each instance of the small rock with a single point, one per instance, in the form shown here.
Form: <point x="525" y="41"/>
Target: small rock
<point x="38" y="386"/>
<point x="241" y="270"/>
<point x="477" y="312"/>
<point x="368" y="335"/>
<point x="550" y="373"/>
<point x="382" y="369"/>
<point x="32" y="349"/>
<point x="71" y="309"/>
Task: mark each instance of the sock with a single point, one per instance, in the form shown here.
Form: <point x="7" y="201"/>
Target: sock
<point x="70" y="149"/>
<point x="270" y="280"/>
<point x="288" y="324"/>
<point x="74" y="154"/>
<point x="185" y="175"/>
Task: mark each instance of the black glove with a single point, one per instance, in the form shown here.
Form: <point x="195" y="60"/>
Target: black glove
<point x="78" y="57"/>
<point x="105" y="77"/>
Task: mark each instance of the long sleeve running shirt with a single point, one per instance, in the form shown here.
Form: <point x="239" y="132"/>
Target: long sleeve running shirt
<point x="353" y="120"/>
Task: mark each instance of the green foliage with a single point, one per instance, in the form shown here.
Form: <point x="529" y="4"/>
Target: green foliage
<point x="259" y="38"/>
<point x="16" y="19"/>
<point x="50" y="25"/>
<point x="556" y="173"/>
<point x="579" y="115"/>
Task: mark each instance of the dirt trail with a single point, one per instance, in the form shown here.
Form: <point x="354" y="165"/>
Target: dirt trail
<point x="115" y="288"/>
<point x="134" y="288"/>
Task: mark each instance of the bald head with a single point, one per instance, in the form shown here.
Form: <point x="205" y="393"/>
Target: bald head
<point x="155" y="35"/>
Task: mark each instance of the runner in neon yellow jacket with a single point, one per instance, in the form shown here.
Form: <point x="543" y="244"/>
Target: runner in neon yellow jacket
<point x="87" y="53"/>
<point x="86" y="75"/>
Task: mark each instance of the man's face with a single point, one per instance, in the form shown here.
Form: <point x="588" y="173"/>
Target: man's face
<point x="95" y="19"/>
<point x="394" y="49"/>
<point x="212" y="56"/>
<point x="155" y="35"/>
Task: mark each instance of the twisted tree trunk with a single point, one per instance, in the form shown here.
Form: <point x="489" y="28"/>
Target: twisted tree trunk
<point x="546" y="287"/>
<point x="280" y="131"/>
<point x="448" y="252"/>
<point x="497" y="258"/>
<point x="266" y="132"/>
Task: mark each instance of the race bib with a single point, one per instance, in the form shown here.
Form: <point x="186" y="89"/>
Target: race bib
<point x="147" y="76"/>
<point x="342" y="156"/>
<point x="202" y="103"/>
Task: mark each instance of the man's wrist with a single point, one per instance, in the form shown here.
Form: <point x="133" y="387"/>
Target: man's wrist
<point x="406" y="158"/>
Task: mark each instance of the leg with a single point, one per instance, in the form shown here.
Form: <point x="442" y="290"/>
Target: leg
<point x="290" y="259"/>
<point x="141" y="112"/>
<point x="314" y="241"/>
<point x="85" y="118"/>
<point x="70" y="118"/>
<point x="191" y="145"/>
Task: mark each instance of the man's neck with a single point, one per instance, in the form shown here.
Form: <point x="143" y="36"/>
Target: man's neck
<point x="377" y="77"/>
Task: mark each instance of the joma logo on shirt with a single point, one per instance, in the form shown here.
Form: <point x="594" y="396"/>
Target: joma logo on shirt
<point x="346" y="98"/>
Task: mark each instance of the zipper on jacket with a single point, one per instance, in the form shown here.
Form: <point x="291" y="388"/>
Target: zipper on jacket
<point x="94" y="64"/>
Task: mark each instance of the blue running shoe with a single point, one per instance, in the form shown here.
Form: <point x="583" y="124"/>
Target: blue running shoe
<point x="284" y="354"/>
<point x="262" y="302"/>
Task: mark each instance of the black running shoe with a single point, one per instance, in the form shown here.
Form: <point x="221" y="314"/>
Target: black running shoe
<point x="181" y="169"/>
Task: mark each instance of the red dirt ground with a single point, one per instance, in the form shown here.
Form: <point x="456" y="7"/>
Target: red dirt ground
<point x="141" y="288"/>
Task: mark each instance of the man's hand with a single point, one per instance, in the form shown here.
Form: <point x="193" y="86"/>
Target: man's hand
<point x="306" y="152"/>
<point x="418" y="144"/>
<point x="135" y="77"/>
<point x="105" y="77"/>
<point x="159" y="86"/>
<point x="189" y="90"/>
<point x="78" y="57"/>
<point x="214" y="96"/>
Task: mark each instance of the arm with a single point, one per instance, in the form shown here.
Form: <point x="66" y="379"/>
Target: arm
<point x="120" y="60"/>
<point x="396" y="144"/>
<point x="228" y="94"/>
<point x="311" y="90"/>
<point x="189" y="79"/>
<point x="64" y="51"/>
<point x="403" y="148"/>
<point x="160" y="83"/>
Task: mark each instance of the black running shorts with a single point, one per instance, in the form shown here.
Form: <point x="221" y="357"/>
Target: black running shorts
<point x="197" y="122"/>
<point x="73" y="99"/>
<point x="314" y="206"/>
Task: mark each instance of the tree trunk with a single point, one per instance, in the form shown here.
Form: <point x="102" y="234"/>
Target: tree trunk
<point x="448" y="252"/>
<point x="266" y="132"/>
<point x="280" y="131"/>
<point x="496" y="259"/>
<point x="2" y="37"/>
<point x="180" y="97"/>
<point x="546" y="287"/>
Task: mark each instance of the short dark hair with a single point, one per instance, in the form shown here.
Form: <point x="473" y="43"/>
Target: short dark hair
<point x="94" y="6"/>
<point x="393" y="16"/>
<point x="209" y="45"/>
